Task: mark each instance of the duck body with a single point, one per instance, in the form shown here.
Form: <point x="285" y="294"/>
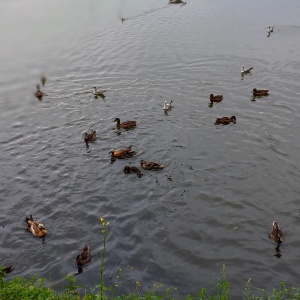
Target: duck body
<point x="276" y="233"/>
<point x="36" y="228"/>
<point x="122" y="153"/>
<point x="217" y="98"/>
<point x="6" y="270"/>
<point x="90" y="137"/>
<point x="84" y="257"/>
<point x="176" y="2"/>
<point x="225" y="120"/>
<point x="125" y="125"/>
<point x="149" y="165"/>
<point x="129" y="169"/>
<point x="39" y="94"/>
<point x="99" y="92"/>
<point x="168" y="105"/>
<point x="246" y="71"/>
<point x="259" y="93"/>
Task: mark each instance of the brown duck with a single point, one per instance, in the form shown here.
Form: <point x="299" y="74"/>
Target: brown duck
<point x="217" y="98"/>
<point x="36" y="228"/>
<point x="90" y="137"/>
<point x="125" y="125"/>
<point x="149" y="165"/>
<point x="38" y="94"/>
<point x="5" y="270"/>
<point x="225" y="120"/>
<point x="84" y="257"/>
<point x="276" y="233"/>
<point x="122" y="153"/>
<point x="129" y="169"/>
<point x="259" y="93"/>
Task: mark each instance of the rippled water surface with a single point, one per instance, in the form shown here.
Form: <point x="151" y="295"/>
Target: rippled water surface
<point x="222" y="187"/>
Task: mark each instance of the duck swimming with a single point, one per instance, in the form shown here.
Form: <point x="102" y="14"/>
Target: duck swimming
<point x="99" y="92"/>
<point x="84" y="257"/>
<point x="5" y="270"/>
<point x="225" y="120"/>
<point x="125" y="125"/>
<point x="122" y="153"/>
<point x="168" y="105"/>
<point x="90" y="137"/>
<point x="259" y="93"/>
<point x="217" y="98"/>
<point x="129" y="169"/>
<point x="246" y="71"/>
<point x="177" y="2"/>
<point x="149" y="165"/>
<point x="276" y="233"/>
<point x="39" y="94"/>
<point x="36" y="228"/>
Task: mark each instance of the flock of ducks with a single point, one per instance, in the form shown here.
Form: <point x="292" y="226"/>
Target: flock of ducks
<point x="38" y="229"/>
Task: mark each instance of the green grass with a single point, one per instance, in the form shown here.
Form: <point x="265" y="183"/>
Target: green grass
<point x="34" y="288"/>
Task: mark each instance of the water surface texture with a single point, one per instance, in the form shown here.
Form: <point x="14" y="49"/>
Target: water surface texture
<point x="222" y="187"/>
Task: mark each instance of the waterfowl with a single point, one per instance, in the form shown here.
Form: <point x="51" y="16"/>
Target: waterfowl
<point x="39" y="94"/>
<point x="258" y="93"/>
<point x="36" y="228"/>
<point x="90" y="137"/>
<point x="121" y="153"/>
<point x="217" y="98"/>
<point x="246" y="71"/>
<point x="125" y="125"/>
<point x="270" y="29"/>
<point x="276" y="233"/>
<point x="84" y="257"/>
<point x="225" y="120"/>
<point x="129" y="169"/>
<point x="43" y="79"/>
<point x="168" y="105"/>
<point x="176" y="2"/>
<point x="99" y="92"/>
<point x="149" y="165"/>
<point x="5" y="270"/>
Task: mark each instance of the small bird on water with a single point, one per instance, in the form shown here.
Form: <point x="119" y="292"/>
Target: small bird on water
<point x="246" y="71"/>
<point x="276" y="233"/>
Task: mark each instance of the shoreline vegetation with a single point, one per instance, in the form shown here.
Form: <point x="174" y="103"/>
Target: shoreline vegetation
<point x="35" y="288"/>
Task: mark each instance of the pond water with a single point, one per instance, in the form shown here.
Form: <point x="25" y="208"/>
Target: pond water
<point x="222" y="187"/>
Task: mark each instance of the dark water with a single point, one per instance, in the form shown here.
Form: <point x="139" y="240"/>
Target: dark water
<point x="222" y="187"/>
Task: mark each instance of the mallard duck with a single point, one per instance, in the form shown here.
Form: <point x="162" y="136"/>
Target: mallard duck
<point x="36" y="228"/>
<point x="129" y="169"/>
<point x="149" y="165"/>
<point x="90" y="137"/>
<point x="275" y="233"/>
<point x="122" y="153"/>
<point x="39" y="94"/>
<point x="217" y="98"/>
<point x="99" y="92"/>
<point x="84" y="257"/>
<point x="168" y="105"/>
<point x="5" y="270"/>
<point x="43" y="79"/>
<point x="246" y="71"/>
<point x="258" y="93"/>
<point x="225" y="120"/>
<point x="125" y="125"/>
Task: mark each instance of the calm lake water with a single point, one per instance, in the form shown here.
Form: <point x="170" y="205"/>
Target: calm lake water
<point x="222" y="187"/>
